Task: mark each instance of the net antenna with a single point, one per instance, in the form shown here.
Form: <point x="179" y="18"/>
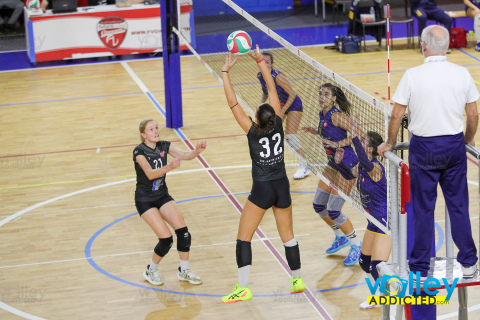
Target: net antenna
<point x="304" y="78"/>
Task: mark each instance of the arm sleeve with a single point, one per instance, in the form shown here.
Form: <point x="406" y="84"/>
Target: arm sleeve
<point x="345" y="171"/>
<point x="362" y="155"/>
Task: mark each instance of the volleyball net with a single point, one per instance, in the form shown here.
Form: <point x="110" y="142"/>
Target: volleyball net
<point x="302" y="76"/>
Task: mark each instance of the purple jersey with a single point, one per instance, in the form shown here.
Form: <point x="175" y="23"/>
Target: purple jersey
<point x="373" y="195"/>
<point x="329" y="131"/>
<point x="476" y="3"/>
<point x="282" y="94"/>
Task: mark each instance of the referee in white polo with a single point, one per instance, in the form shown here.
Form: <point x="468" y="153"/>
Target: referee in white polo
<point x="437" y="93"/>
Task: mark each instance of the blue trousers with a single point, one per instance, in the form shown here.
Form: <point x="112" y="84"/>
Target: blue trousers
<point x="443" y="160"/>
<point x="430" y="11"/>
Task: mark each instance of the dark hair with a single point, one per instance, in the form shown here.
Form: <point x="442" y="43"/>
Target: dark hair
<point x="266" y="119"/>
<point x="267" y="53"/>
<point x="374" y="140"/>
<point x="341" y="98"/>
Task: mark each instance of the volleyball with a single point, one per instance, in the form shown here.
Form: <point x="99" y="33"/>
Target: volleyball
<point x="33" y="4"/>
<point x="239" y="42"/>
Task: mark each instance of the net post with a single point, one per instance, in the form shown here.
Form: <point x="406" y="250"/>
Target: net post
<point x="448" y="234"/>
<point x="402" y="264"/>
<point x="393" y="171"/>
<point x="171" y="63"/>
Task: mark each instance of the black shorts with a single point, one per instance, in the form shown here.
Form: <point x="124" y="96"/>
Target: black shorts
<point x="266" y="194"/>
<point x="143" y="206"/>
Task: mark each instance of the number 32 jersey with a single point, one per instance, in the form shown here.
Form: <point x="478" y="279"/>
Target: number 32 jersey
<point x="148" y="190"/>
<point x="266" y="152"/>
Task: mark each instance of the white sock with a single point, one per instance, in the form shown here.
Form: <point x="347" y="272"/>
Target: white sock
<point x="183" y="265"/>
<point x="337" y="230"/>
<point x="476" y="27"/>
<point x="243" y="276"/>
<point x="296" y="274"/>
<point x="353" y="238"/>
<point x="153" y="265"/>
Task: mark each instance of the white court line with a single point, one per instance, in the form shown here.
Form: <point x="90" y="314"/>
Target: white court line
<point x="454" y="314"/>
<point x="137" y="252"/>
<point x="18" y="312"/>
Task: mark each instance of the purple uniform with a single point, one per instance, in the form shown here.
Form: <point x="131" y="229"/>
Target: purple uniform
<point x="282" y="94"/>
<point x="476" y="3"/>
<point x="374" y="196"/>
<point x="328" y="130"/>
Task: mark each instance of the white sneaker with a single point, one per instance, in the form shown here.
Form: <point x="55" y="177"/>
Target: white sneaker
<point x="469" y="272"/>
<point x="364" y="305"/>
<point x="189" y="276"/>
<point x="302" y="172"/>
<point x="153" y="276"/>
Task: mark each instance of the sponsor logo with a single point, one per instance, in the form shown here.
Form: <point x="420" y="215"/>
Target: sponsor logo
<point x="162" y="154"/>
<point x="112" y="31"/>
<point x="325" y="124"/>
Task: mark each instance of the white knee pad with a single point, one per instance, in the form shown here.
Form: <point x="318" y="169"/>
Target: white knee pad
<point x="293" y="141"/>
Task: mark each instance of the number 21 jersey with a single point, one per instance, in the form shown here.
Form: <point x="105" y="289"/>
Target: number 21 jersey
<point x="266" y="152"/>
<point x="148" y="190"/>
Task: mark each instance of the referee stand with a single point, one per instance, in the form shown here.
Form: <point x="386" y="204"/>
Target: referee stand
<point x="402" y="242"/>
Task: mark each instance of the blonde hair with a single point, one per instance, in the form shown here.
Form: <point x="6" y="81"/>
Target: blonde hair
<point x="142" y="126"/>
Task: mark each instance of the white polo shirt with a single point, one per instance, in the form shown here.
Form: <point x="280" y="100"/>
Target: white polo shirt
<point x="436" y="93"/>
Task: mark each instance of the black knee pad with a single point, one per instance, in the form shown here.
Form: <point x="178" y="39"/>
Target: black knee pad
<point x="244" y="253"/>
<point x="373" y="268"/>
<point x="184" y="239"/>
<point x="163" y="246"/>
<point x="364" y="262"/>
<point x="293" y="257"/>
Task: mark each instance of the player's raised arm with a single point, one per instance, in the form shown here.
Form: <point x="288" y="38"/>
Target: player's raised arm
<point x="267" y="76"/>
<point x="243" y="120"/>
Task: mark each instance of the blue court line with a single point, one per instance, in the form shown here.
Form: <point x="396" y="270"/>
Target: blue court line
<point x="468" y="54"/>
<point x="90" y="260"/>
<point x="210" y="87"/>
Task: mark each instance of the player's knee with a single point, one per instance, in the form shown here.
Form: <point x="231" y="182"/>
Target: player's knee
<point x="320" y="202"/>
<point x="320" y="209"/>
<point x="365" y="262"/>
<point x="244" y="253"/>
<point x="334" y="207"/>
<point x="184" y="239"/>
<point x="293" y="141"/>
<point x="373" y="268"/>
<point x="163" y="246"/>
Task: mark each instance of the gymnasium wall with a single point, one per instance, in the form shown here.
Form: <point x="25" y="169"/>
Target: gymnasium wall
<point x="209" y="8"/>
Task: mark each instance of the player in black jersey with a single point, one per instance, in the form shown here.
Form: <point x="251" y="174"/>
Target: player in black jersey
<point x="271" y="188"/>
<point x="155" y="205"/>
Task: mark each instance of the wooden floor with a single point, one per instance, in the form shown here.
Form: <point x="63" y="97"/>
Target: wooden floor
<point x="71" y="245"/>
